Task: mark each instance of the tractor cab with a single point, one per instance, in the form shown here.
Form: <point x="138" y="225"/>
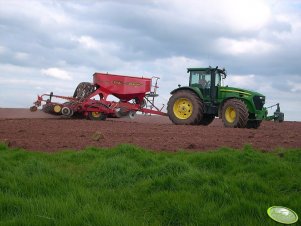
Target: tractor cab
<point x="207" y="80"/>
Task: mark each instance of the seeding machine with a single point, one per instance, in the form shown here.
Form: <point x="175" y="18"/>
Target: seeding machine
<point x="196" y="104"/>
<point x="91" y="99"/>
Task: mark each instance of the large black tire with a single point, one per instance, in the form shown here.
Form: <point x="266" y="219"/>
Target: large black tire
<point x="235" y="113"/>
<point x="76" y="114"/>
<point x="207" y="119"/>
<point x="49" y="109"/>
<point x="83" y="90"/>
<point x="253" y="124"/>
<point x="188" y="112"/>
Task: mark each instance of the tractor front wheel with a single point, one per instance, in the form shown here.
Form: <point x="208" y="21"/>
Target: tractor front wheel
<point x="185" y="108"/>
<point x="95" y="115"/>
<point x="235" y="114"/>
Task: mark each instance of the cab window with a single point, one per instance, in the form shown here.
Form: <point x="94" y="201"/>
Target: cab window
<point x="200" y="79"/>
<point x="195" y="77"/>
<point x="218" y="81"/>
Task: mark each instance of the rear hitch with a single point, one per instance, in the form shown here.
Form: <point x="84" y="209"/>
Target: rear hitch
<point x="278" y="116"/>
<point x="36" y="104"/>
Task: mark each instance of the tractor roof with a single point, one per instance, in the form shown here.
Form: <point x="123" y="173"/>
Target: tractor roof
<point x="203" y="69"/>
<point x="197" y="69"/>
<point x="206" y="69"/>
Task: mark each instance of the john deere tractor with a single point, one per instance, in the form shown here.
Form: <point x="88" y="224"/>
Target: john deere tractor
<point x="206" y="98"/>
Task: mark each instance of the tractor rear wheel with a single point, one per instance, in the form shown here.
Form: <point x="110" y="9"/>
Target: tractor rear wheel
<point x="95" y="115"/>
<point x="235" y="113"/>
<point x="206" y="120"/>
<point x="254" y="124"/>
<point x="185" y="108"/>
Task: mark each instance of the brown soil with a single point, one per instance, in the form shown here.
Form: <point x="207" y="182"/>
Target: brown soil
<point x="42" y="132"/>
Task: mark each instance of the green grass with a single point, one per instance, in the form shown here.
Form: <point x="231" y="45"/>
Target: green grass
<point x="130" y="186"/>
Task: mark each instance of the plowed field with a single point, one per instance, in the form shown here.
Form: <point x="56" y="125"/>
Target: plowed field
<point x="42" y="132"/>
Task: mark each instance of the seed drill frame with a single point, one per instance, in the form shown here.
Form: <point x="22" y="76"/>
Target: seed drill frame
<point x="91" y="99"/>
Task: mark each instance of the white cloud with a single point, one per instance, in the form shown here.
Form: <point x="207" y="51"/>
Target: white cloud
<point x="242" y="81"/>
<point x="46" y="13"/>
<point x="88" y="42"/>
<point x="294" y="86"/>
<point x="7" y="69"/>
<point x="56" y="73"/>
<point x="244" y="14"/>
<point x="17" y="81"/>
<point x="249" y="46"/>
<point x="2" y="49"/>
<point x="21" y="56"/>
<point x="241" y="15"/>
<point x="176" y="65"/>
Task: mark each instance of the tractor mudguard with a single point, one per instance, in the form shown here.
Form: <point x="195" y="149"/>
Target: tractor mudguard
<point x="193" y="89"/>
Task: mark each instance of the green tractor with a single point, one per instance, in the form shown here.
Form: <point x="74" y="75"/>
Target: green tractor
<point x="206" y="98"/>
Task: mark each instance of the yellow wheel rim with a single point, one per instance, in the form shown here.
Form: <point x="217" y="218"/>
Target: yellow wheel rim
<point x="183" y="108"/>
<point x="96" y="114"/>
<point x="230" y="114"/>
<point x="57" y="108"/>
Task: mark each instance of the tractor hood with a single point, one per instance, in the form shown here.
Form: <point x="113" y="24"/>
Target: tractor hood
<point x="240" y="91"/>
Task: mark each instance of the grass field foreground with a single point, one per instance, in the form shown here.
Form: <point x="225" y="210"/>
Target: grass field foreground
<point x="127" y="185"/>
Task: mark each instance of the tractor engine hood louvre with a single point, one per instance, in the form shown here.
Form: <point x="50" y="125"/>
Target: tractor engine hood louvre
<point x="259" y="101"/>
<point x="240" y="91"/>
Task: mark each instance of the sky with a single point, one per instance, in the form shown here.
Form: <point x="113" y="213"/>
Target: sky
<point x="50" y="45"/>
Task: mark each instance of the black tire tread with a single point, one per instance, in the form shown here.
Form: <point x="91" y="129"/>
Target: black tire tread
<point x="196" y="117"/>
<point x="242" y="112"/>
<point x="83" y="90"/>
<point x="49" y="109"/>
